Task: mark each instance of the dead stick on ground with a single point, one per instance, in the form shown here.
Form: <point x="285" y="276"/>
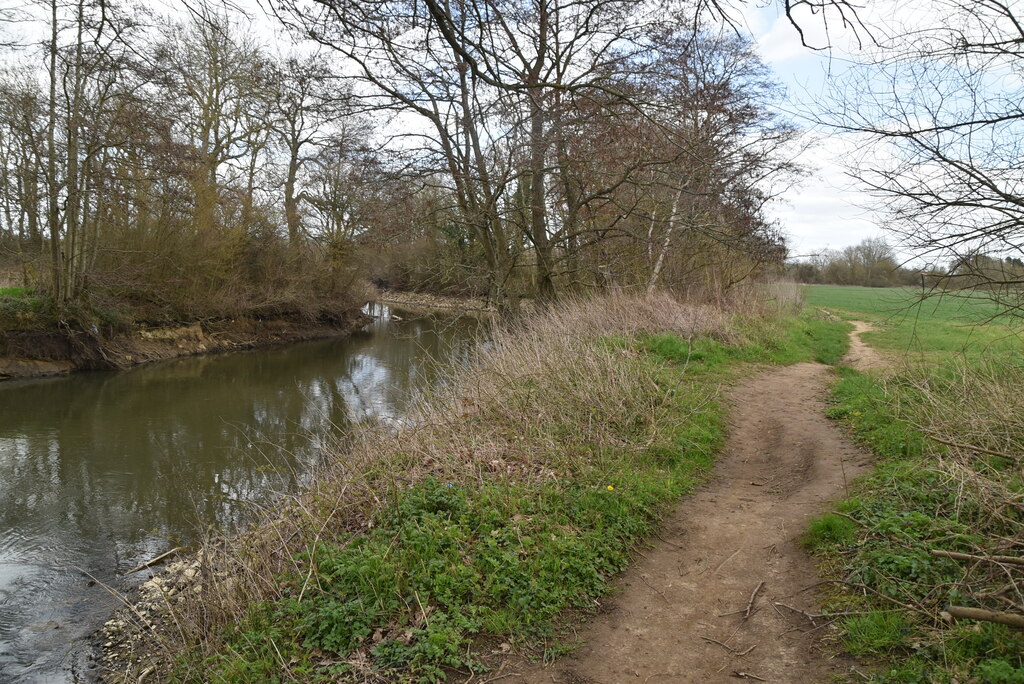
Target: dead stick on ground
<point x="797" y="610"/>
<point x="730" y="649"/>
<point x="665" y="598"/>
<point x="850" y="518"/>
<point x="753" y="596"/>
<point x="154" y="561"/>
<point x="1010" y="619"/>
<point x="726" y="560"/>
<point x="747" y="675"/>
<point x="1010" y="560"/>
<point x="678" y="546"/>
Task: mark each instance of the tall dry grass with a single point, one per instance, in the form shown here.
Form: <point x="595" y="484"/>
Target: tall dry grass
<point x="974" y="414"/>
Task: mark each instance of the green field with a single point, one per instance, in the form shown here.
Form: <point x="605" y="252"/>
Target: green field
<point x="923" y="328"/>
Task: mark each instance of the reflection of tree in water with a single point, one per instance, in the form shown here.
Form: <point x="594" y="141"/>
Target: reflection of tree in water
<point x="102" y="470"/>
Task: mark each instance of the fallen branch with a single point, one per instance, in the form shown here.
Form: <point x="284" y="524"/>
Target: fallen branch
<point x="968" y="447"/>
<point x="159" y="559"/>
<point x="850" y="518"/>
<point x="730" y="649"/>
<point x="1010" y="619"/>
<point x="797" y="610"/>
<point x="1011" y="560"/>
<point x="733" y="555"/>
<point x="652" y="588"/>
<point x="753" y="596"/>
<point x="875" y="592"/>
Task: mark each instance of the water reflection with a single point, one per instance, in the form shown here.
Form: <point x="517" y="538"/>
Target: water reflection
<point x="101" y="471"/>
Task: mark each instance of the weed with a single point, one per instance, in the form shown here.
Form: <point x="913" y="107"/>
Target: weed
<point x="876" y="633"/>
<point x="829" y="530"/>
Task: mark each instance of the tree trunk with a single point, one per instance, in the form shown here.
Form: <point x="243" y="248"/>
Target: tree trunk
<point x="53" y="203"/>
<point x="291" y="202"/>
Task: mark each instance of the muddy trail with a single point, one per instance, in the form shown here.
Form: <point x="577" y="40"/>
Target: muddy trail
<point x="726" y="592"/>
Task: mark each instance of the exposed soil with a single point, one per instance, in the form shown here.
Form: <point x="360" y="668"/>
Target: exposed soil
<point x="681" y="614"/>
<point x="861" y="356"/>
<point x="35" y="353"/>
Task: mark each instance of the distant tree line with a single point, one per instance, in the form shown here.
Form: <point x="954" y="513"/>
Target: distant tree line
<point x="872" y="263"/>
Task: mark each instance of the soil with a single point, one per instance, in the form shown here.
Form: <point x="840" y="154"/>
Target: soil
<point x="861" y="356"/>
<point x="36" y="353"/>
<point x="728" y="593"/>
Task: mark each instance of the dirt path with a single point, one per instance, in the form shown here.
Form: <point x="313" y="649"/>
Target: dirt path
<point x="861" y="356"/>
<point x="680" y="614"/>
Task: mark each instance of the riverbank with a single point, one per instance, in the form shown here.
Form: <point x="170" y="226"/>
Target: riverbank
<point x="509" y="502"/>
<point x="41" y="352"/>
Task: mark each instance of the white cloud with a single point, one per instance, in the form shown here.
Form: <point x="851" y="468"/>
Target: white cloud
<point x="827" y="210"/>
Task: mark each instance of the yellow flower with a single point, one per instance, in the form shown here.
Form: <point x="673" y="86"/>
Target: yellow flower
<point x="611" y="489"/>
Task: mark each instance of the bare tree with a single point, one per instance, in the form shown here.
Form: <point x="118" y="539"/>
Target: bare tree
<point x="939" y="111"/>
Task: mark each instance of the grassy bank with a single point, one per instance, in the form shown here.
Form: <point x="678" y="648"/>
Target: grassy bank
<point x="949" y="433"/>
<point x="506" y="505"/>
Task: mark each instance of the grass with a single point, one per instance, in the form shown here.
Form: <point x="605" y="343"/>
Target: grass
<point x="20" y="307"/>
<point x="932" y="490"/>
<point x="924" y="329"/>
<point x="508" y="503"/>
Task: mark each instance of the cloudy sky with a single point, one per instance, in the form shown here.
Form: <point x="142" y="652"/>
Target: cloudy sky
<point x="827" y="210"/>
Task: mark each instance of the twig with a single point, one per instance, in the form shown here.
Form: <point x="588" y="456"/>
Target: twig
<point x="753" y="596"/>
<point x="1011" y="560"/>
<point x="746" y="675"/>
<point x="797" y="610"/>
<point x="730" y="649"/>
<point x="678" y="546"/>
<point x="665" y="598"/>
<point x="150" y="563"/>
<point x="726" y="560"/>
<point x="1010" y="619"/>
<point x="851" y="518"/>
<point x="969" y="447"/>
<point x="912" y="608"/>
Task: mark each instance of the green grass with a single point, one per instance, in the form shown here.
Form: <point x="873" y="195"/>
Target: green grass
<point x="876" y="633"/>
<point x="20" y="307"/>
<point x="919" y="328"/>
<point x="829" y="530"/>
<point x="912" y="502"/>
<point x="453" y="560"/>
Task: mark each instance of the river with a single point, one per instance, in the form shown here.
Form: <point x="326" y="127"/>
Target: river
<point x="102" y="471"/>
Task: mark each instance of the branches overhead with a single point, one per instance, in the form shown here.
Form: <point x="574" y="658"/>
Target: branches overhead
<point x="939" y="109"/>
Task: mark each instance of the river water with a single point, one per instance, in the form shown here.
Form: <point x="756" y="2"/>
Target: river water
<point x="100" y="472"/>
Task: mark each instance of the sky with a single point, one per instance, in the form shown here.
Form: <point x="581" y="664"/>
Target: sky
<point x="827" y="210"/>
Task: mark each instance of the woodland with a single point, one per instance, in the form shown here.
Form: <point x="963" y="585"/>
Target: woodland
<point x="204" y="164"/>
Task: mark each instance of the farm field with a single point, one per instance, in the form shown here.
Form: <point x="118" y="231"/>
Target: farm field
<point x="913" y="328"/>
